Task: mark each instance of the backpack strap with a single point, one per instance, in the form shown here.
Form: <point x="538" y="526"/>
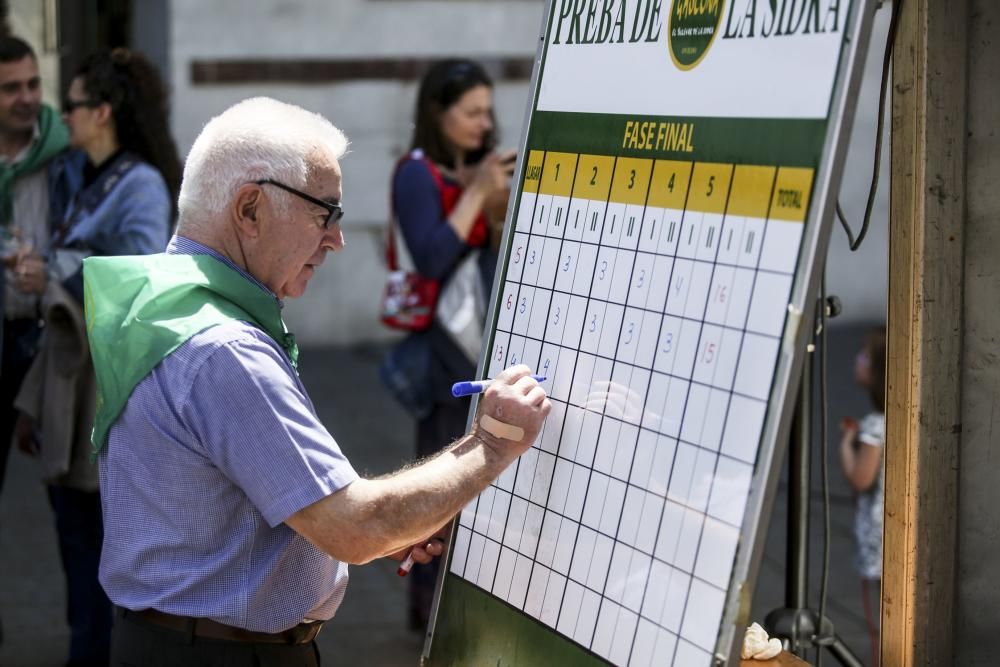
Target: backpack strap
<point x="391" y="256"/>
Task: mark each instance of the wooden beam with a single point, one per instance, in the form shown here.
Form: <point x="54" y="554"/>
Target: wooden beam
<point x="923" y="429"/>
<point x="339" y="70"/>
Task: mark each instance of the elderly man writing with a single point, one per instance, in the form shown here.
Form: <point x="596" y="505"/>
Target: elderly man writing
<point x="230" y="512"/>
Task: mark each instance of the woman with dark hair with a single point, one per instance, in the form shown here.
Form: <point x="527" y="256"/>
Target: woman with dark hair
<point x="116" y="110"/>
<point x="449" y="196"/>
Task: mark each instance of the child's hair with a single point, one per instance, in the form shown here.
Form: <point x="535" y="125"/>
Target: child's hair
<point x="875" y="347"/>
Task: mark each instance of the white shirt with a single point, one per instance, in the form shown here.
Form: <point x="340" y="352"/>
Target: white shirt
<point x="31" y="215"/>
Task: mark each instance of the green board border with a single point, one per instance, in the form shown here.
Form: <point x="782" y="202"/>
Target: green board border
<point x="482" y="630"/>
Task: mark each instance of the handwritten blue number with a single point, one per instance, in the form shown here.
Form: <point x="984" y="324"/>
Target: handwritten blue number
<point x="668" y="343"/>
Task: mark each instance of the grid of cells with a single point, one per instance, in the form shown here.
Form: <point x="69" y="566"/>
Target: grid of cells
<point x="652" y="295"/>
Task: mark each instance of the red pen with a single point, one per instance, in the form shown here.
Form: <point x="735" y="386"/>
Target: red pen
<point x="405" y="567"/>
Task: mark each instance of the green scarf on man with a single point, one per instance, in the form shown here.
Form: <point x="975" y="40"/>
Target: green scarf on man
<point x="53" y="138"/>
<point x="140" y="309"/>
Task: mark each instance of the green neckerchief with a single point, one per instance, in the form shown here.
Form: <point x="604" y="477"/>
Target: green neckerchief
<point x="140" y="309"/>
<point x="53" y="138"/>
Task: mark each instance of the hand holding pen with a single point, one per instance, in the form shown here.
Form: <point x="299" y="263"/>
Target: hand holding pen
<point x="492" y="425"/>
<point x="423" y="551"/>
<point x="470" y="387"/>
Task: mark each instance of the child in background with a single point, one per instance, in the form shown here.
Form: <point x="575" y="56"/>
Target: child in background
<point x="861" y="456"/>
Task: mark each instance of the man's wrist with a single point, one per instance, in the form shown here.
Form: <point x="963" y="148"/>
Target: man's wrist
<point x="498" y="450"/>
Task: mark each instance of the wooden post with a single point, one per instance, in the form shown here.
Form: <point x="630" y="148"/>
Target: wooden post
<point x="924" y="332"/>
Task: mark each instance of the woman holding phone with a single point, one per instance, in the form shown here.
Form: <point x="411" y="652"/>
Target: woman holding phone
<point x="449" y="196"/>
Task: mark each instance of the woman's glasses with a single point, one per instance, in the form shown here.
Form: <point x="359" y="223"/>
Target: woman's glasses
<point x="69" y="106"/>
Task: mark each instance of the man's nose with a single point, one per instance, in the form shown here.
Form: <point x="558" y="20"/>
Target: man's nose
<point x="334" y="237"/>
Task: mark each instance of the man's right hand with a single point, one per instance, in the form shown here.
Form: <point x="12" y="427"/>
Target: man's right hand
<point x="513" y="398"/>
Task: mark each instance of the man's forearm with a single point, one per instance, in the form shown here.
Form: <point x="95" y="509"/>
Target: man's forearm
<point x="372" y="518"/>
<point x="415" y="502"/>
<point x="376" y="517"/>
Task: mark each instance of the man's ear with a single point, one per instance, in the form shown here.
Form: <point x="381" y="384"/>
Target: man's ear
<point x="245" y="210"/>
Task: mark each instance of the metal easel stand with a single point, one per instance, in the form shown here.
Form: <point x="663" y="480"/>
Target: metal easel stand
<point x="797" y="625"/>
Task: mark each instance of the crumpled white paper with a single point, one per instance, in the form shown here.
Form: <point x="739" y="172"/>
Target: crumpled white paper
<point x="757" y="646"/>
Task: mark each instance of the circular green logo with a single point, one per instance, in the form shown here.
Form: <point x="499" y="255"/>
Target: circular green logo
<point x="691" y="31"/>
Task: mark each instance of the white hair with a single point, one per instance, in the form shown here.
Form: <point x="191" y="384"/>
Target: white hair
<point x="256" y="139"/>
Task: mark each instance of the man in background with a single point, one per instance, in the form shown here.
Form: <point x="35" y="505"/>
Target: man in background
<point x="38" y="177"/>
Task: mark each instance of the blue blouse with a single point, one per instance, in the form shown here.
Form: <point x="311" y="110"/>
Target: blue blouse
<point x="133" y="218"/>
<point x="431" y="241"/>
<point x="125" y="211"/>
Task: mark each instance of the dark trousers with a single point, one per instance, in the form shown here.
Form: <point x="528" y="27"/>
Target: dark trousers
<point x="88" y="610"/>
<point x="20" y="340"/>
<point x="136" y="642"/>
<point x="445" y="424"/>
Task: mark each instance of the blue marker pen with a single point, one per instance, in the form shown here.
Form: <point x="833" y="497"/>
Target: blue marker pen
<point x="471" y="387"/>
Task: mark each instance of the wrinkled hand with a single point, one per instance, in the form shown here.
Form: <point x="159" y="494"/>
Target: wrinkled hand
<point x="515" y="398"/>
<point x="493" y="173"/>
<point x="24" y="435"/>
<point x="425" y="550"/>
<point x="29" y="274"/>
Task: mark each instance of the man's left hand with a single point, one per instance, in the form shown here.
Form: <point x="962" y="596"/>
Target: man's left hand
<point x="425" y="550"/>
<point x="29" y="274"/>
<point x="24" y="435"/>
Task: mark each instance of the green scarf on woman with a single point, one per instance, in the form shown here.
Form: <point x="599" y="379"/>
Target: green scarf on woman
<point x="52" y="139"/>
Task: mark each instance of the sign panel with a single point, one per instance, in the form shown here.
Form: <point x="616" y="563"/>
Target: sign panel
<point x="673" y="184"/>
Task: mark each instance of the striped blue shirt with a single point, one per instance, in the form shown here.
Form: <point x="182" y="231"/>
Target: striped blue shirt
<point x="214" y="450"/>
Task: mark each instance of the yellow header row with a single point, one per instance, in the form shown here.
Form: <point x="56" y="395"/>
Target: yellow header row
<point x="745" y="190"/>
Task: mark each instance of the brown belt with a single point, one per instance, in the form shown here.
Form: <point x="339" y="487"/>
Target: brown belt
<point x="303" y="633"/>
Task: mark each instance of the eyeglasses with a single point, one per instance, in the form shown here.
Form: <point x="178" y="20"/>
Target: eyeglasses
<point x="334" y="212"/>
<point x="69" y="106"/>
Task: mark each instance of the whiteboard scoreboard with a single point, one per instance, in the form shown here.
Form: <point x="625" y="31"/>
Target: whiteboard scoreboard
<point x="674" y="189"/>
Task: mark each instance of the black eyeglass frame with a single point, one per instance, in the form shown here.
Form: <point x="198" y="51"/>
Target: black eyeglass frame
<point x="69" y="106"/>
<point x="334" y="212"/>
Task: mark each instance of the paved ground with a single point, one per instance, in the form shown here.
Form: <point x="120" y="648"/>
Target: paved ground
<point x="370" y="628"/>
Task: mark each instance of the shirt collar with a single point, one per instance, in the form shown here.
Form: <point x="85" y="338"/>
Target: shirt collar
<point x="181" y="245"/>
<point x="23" y="153"/>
